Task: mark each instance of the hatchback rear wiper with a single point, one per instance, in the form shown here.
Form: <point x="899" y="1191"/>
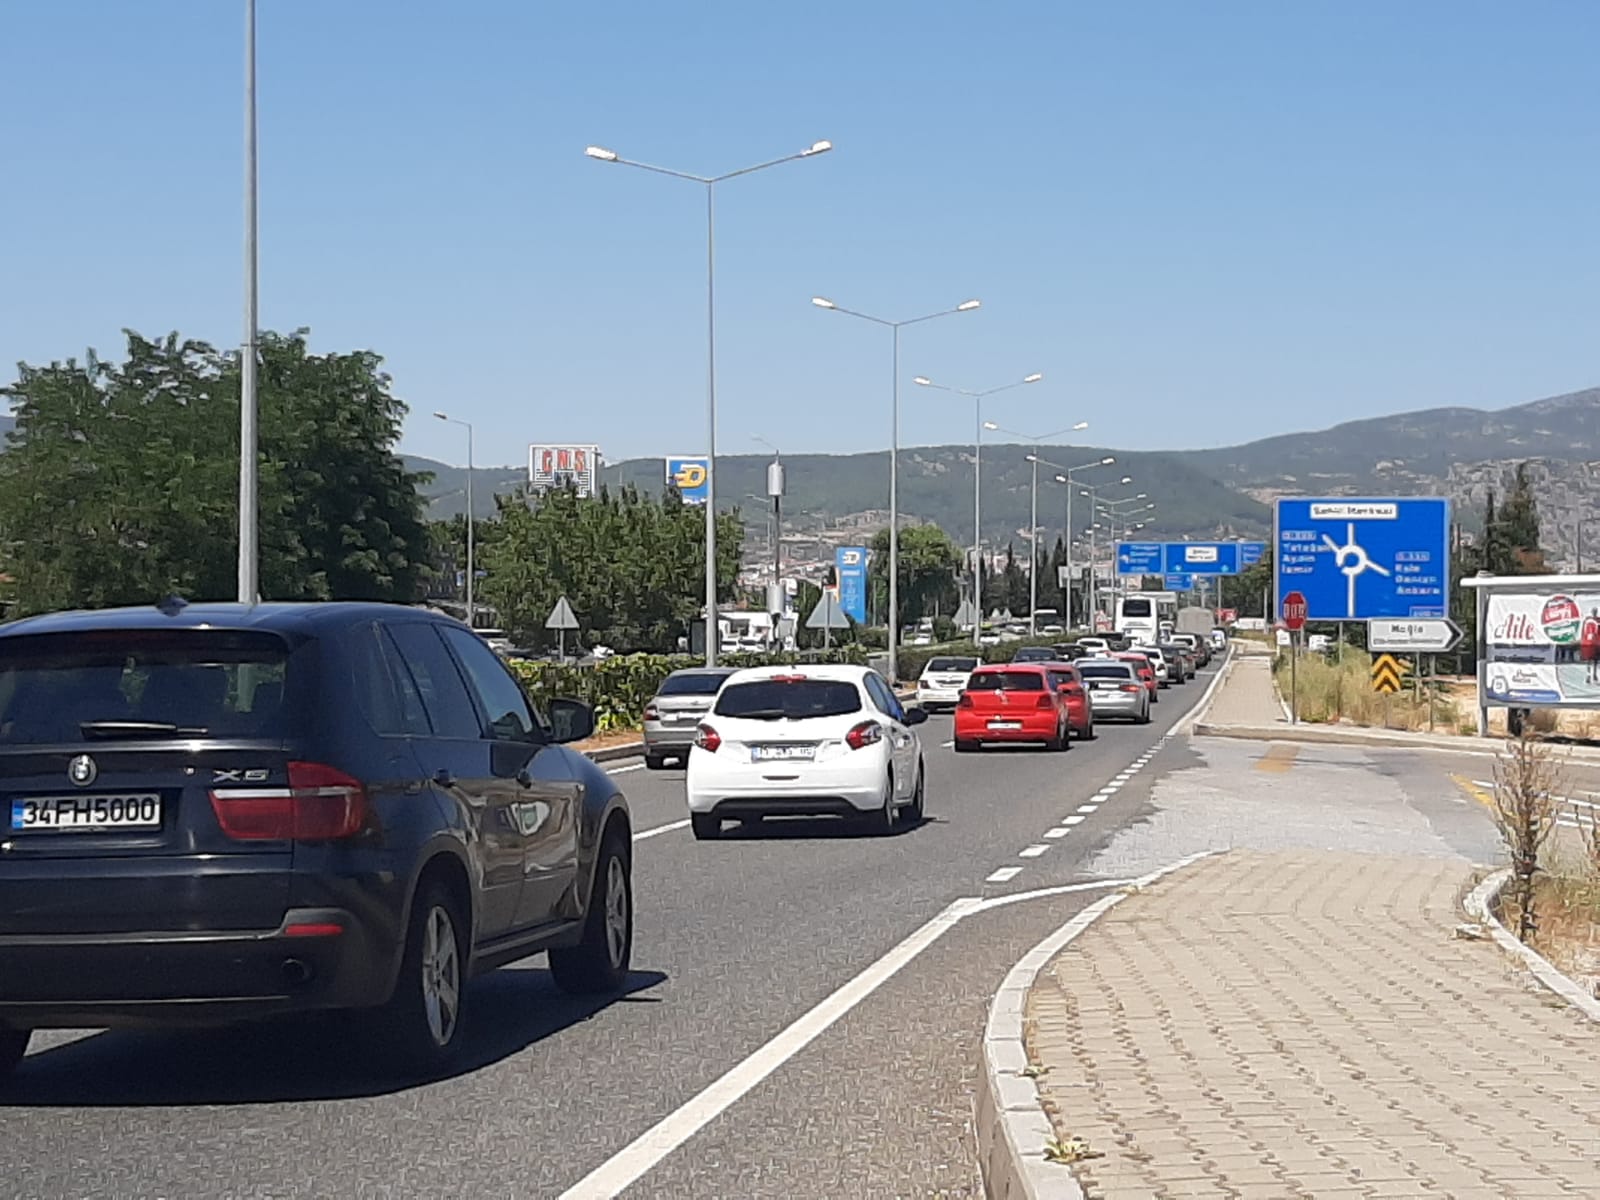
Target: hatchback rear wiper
<point x="106" y="730"/>
<point x="764" y="714"/>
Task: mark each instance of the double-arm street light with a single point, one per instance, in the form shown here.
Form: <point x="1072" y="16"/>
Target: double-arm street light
<point x="471" y="564"/>
<point x="709" y="182"/>
<point x="977" y="399"/>
<point x="1033" y="524"/>
<point x="1117" y="510"/>
<point x="774" y="498"/>
<point x="894" y="328"/>
<point x="1066" y="477"/>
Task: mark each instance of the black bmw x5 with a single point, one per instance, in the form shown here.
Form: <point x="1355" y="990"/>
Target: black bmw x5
<point x="219" y="813"/>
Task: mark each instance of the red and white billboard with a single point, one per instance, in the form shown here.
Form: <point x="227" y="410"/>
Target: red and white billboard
<point x="557" y="466"/>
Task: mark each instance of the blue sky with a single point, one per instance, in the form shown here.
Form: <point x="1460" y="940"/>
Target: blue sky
<point x="1202" y="222"/>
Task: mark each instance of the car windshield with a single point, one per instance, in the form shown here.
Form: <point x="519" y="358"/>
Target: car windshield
<point x="1136" y="608"/>
<point x="1006" y="681"/>
<point x="951" y="664"/>
<point x="691" y="683"/>
<point x="1105" y="671"/>
<point x="115" y="683"/>
<point x="793" y="699"/>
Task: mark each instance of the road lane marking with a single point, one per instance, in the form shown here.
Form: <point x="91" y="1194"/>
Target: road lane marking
<point x="1003" y="875"/>
<point x="1032" y="851"/>
<point x="659" y="829"/>
<point x="625" y="770"/>
<point x="1056" y="833"/>
<point x="947" y="745"/>
<point x="1075" y="819"/>
<point x="1087" y="808"/>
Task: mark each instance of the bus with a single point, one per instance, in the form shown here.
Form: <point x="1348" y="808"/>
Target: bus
<point x="1140" y="615"/>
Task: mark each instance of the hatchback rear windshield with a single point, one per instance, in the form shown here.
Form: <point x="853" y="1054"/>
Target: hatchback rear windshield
<point x="691" y="683"/>
<point x="107" y="684"/>
<point x="1034" y="654"/>
<point x="794" y="699"/>
<point x="1104" y="671"/>
<point x="957" y="665"/>
<point x="1006" y="681"/>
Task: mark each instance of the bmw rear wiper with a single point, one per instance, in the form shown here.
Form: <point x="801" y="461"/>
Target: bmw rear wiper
<point x="107" y="730"/>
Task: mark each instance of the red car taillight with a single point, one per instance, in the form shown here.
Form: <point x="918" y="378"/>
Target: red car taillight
<point x="321" y="803"/>
<point x="707" y="738"/>
<point x="651" y="713"/>
<point x="1132" y="687"/>
<point x="1046" y="701"/>
<point x="865" y="734"/>
<point x="965" y="701"/>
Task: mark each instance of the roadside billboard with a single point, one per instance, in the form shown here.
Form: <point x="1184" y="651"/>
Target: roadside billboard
<point x="557" y="466"/>
<point x="1541" y="648"/>
<point x="850" y="565"/>
<point x="691" y="475"/>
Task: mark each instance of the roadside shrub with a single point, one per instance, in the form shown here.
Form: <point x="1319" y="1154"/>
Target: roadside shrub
<point x="1331" y="689"/>
<point x="1527" y="778"/>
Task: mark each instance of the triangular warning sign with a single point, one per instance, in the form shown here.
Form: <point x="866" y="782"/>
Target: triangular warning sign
<point x="561" y="616"/>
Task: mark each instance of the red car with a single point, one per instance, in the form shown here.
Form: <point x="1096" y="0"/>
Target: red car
<point x="1080" y="714"/>
<point x="1014" y="702"/>
<point x="1146" y="673"/>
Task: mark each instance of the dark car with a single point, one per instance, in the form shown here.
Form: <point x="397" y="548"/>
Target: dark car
<point x="1035" y="654"/>
<point x="1184" y="654"/>
<point x="217" y="813"/>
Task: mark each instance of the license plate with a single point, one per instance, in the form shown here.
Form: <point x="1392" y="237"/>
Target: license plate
<point x="86" y="814"/>
<point x="782" y="753"/>
<point x="1005" y="724"/>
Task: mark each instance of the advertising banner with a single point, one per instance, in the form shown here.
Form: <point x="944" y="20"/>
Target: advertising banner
<point x="850" y="565"/>
<point x="691" y="475"/>
<point x="557" y="466"/>
<point x="1542" y="649"/>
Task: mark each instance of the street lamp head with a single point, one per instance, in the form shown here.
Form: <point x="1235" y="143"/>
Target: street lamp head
<point x="923" y="380"/>
<point x="1126" y="479"/>
<point x="1063" y="479"/>
<point x="442" y="416"/>
<point x="1033" y="458"/>
<point x="969" y="305"/>
<point x="1034" y="378"/>
<point x="1081" y="425"/>
<point x="601" y="153"/>
<point x="823" y="302"/>
<point x="1107" y="460"/>
<point x="816" y="148"/>
<point x="990" y="425"/>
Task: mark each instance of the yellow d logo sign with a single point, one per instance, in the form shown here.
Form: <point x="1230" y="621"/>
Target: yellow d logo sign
<point x="690" y="476"/>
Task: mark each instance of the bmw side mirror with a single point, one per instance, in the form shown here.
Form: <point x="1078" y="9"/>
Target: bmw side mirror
<point x="571" y="720"/>
<point x="916" y="715"/>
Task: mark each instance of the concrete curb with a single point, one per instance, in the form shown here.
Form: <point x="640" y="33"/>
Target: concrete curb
<point x="1480" y="905"/>
<point x="1207" y="699"/>
<point x="1012" y="1125"/>
<point x="613" y="753"/>
<point x="1390" y="739"/>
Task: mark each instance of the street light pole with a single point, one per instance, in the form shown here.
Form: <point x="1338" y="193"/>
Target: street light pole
<point x="775" y="495"/>
<point x="1033" y="531"/>
<point x="709" y="182"/>
<point x="472" y="571"/>
<point x="894" y="458"/>
<point x="249" y="466"/>
<point x="977" y="482"/>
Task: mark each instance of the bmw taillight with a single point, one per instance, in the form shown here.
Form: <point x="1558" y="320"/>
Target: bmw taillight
<point x="707" y="738"/>
<point x="865" y="734"/>
<point x="321" y="803"/>
<point x="652" y="713"/>
<point x="1132" y="687"/>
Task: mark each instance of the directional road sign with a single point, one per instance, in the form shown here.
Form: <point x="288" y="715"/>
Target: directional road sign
<point x="1294" y="612"/>
<point x="1140" y="558"/>
<point x="1388" y="673"/>
<point x="1250" y="553"/>
<point x="1178" y="581"/>
<point x="1429" y="636"/>
<point x="1200" y="558"/>
<point x="1360" y="559"/>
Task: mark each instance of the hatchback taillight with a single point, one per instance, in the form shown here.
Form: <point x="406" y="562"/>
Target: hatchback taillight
<point x="707" y="738"/>
<point x="865" y="734"/>
<point x="321" y="803"/>
<point x="965" y="701"/>
<point x="1046" y="701"/>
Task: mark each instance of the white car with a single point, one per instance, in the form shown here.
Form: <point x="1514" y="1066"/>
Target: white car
<point x="810" y="740"/>
<point x="1219" y="640"/>
<point x="1097" y="646"/>
<point x="943" y="679"/>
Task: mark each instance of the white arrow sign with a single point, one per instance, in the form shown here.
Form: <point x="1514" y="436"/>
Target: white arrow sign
<point x="1429" y="635"/>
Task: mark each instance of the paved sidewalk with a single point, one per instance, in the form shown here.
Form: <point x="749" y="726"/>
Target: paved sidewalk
<point x="1303" y="1023"/>
<point x="1247" y="696"/>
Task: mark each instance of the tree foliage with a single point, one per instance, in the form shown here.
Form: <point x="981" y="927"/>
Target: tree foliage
<point x="632" y="566"/>
<point x="928" y="562"/>
<point x="120" y="483"/>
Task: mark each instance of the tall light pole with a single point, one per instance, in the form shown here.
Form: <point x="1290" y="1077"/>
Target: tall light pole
<point x="1066" y="477"/>
<point x="775" y="495"/>
<point x="1114" y="510"/>
<point x="709" y="182"/>
<point x="894" y="328"/>
<point x="249" y="524"/>
<point x="977" y="482"/>
<point x="1033" y="525"/>
<point x="472" y="572"/>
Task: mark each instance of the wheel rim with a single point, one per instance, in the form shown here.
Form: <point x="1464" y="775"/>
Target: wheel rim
<point x="616" y="910"/>
<point x="441" y="976"/>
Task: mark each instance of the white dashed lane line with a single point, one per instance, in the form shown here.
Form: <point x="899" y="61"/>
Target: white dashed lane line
<point x="1004" y="874"/>
<point x="1087" y="808"/>
<point x="1056" y="833"/>
<point x="1075" y="819"/>
<point x="1032" y="851"/>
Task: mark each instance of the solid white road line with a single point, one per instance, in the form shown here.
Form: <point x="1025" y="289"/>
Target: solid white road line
<point x="1032" y="851"/>
<point x="659" y="829"/>
<point x="1003" y="875"/>
<point x="1056" y="833"/>
<point x="630" y="1163"/>
<point x="625" y="770"/>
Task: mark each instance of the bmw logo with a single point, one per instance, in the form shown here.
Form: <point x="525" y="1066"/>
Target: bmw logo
<point x="82" y="770"/>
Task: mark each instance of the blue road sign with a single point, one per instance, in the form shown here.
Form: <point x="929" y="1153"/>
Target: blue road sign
<point x="691" y="475"/>
<point x="1361" y="559"/>
<point x="1178" y="581"/>
<point x="1201" y="558"/>
<point x="1250" y="553"/>
<point x="850" y="565"/>
<point x="1139" y="558"/>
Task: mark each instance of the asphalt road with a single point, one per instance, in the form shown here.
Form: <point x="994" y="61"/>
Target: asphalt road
<point x="737" y="940"/>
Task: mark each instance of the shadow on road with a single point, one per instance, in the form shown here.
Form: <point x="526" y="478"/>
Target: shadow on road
<point x="785" y="829"/>
<point x="308" y="1058"/>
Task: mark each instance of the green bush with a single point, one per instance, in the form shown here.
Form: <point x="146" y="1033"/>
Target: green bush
<point x="914" y="658"/>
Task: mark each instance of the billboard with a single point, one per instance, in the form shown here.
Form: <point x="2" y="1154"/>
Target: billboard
<point x="850" y="565"/>
<point x="1542" y="648"/>
<point x="557" y="466"/>
<point x="691" y="475"/>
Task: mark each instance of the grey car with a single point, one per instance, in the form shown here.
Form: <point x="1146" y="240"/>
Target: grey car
<point x="673" y="715"/>
<point x="1115" y="689"/>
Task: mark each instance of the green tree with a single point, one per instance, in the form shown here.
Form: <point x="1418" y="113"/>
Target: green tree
<point x="121" y="480"/>
<point x="929" y="562"/>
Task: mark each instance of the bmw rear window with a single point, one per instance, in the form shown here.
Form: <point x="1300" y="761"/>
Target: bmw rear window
<point x="1006" y="681"/>
<point x="691" y="683"/>
<point x="1105" y="671"/>
<point x="103" y="685"/>
<point x="792" y="699"/>
<point x="953" y="665"/>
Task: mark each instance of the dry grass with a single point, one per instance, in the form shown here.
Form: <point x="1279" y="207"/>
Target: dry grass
<point x="610" y="738"/>
<point x="1567" y="917"/>
<point x="1527" y="781"/>
<point x="1331" y="691"/>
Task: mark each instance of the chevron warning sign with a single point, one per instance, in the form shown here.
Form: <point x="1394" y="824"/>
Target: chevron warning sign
<point x="1389" y="673"/>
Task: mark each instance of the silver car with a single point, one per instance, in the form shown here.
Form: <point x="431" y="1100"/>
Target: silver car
<point x="1115" y="689"/>
<point x="673" y="715"/>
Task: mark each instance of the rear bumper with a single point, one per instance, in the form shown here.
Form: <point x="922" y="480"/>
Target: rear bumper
<point x="192" y="977"/>
<point x="668" y="737"/>
<point x="1120" y="704"/>
<point x="840" y="786"/>
<point x="937" y="695"/>
<point x="1032" y="730"/>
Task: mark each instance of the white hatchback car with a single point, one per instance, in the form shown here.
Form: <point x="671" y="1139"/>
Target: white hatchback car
<point x="806" y="740"/>
<point x="944" y="678"/>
